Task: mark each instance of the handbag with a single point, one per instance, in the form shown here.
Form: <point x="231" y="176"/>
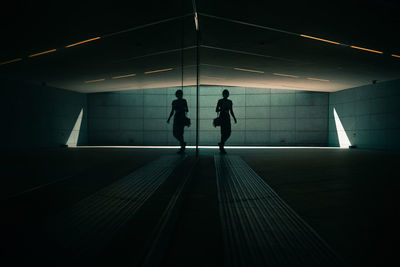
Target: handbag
<point x="217" y="122"/>
<point x="187" y="122"/>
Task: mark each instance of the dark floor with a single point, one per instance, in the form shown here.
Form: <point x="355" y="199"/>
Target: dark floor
<point x="349" y="197"/>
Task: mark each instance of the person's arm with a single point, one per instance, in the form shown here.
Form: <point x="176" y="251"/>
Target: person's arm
<point x="218" y="108"/>
<point x="233" y="115"/>
<point x="186" y="106"/>
<point x="171" y="113"/>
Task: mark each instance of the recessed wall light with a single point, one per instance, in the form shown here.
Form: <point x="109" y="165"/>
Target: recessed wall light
<point x="285" y="75"/>
<point x="366" y="49"/>
<point x="124" y="76"/>
<point x="317" y="79"/>
<point x="319" y="39"/>
<point x="10" y="61"/>
<point x="42" y="53"/>
<point x="248" y="70"/>
<point x="95" y="81"/>
<point x="82" y="42"/>
<point x="154" y="71"/>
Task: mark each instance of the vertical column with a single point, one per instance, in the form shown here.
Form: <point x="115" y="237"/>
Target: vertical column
<point x="196" y="22"/>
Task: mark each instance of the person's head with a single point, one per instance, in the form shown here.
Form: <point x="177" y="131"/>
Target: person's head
<point x="179" y="94"/>
<point x="225" y="93"/>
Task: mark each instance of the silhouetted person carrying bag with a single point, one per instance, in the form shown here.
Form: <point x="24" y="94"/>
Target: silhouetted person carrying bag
<point x="179" y="107"/>
<point x="224" y="107"/>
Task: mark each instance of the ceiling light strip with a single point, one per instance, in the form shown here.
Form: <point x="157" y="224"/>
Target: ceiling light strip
<point x="42" y="53"/>
<point x="247" y="53"/>
<point x="10" y="61"/>
<point x="146" y="25"/>
<point x="155" y="71"/>
<point x="247" y="70"/>
<point x="124" y="76"/>
<point x="316" y="79"/>
<point x="95" y="81"/>
<point x="247" y="24"/>
<point x="319" y="39"/>
<point x="82" y="42"/>
<point x="285" y="75"/>
<point x="366" y="49"/>
<point x="393" y="55"/>
<point x="157" y="53"/>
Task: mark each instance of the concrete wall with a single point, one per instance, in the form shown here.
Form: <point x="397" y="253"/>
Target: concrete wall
<point x="134" y="117"/>
<point x="370" y="115"/>
<point x="265" y="117"/>
<point x="39" y="116"/>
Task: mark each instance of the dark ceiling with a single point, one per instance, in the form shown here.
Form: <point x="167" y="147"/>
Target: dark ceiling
<point x="231" y="52"/>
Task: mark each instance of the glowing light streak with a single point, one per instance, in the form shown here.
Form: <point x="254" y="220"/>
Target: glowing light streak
<point x="319" y="39"/>
<point x="82" y="42"/>
<point x="366" y="49"/>
<point x="10" y="61"/>
<point x="124" y="76"/>
<point x="155" y="71"/>
<point x="42" y="53"/>
<point x="317" y="79"/>
<point x="285" y="75"/>
<point x="95" y="81"/>
<point x="248" y="70"/>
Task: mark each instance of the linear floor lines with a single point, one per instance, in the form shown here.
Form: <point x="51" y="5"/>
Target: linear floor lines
<point x="87" y="226"/>
<point x="259" y="228"/>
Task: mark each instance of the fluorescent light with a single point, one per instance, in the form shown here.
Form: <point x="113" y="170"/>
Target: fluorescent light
<point x="319" y="39"/>
<point x="82" y="42"/>
<point x="10" y="61"/>
<point x="154" y="71"/>
<point x="285" y="75"/>
<point x="124" y="76"/>
<point x="393" y="55"/>
<point x="366" y="49"/>
<point x="42" y="53"/>
<point x="256" y="71"/>
<point x="95" y="81"/>
<point x="316" y="79"/>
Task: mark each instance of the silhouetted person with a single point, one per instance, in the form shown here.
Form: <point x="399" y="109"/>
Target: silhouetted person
<point x="179" y="107"/>
<point x="224" y="107"/>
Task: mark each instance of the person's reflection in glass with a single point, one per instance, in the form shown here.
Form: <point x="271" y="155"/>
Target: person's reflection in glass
<point x="179" y="107"/>
<point x="224" y="107"/>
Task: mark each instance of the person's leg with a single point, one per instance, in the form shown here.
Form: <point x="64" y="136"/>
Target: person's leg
<point x="175" y="132"/>
<point x="228" y="132"/>
<point x="178" y="134"/>
<point x="181" y="138"/>
<point x="225" y="133"/>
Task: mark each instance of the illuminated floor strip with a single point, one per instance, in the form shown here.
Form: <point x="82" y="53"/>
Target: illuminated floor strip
<point x="259" y="228"/>
<point x="85" y="228"/>
<point x="213" y="147"/>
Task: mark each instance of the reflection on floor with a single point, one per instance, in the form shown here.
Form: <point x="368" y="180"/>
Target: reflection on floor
<point x="146" y="207"/>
